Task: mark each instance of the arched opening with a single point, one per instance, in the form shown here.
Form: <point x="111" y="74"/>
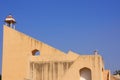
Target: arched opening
<point x="85" y="74"/>
<point x="35" y="52"/>
<point x="102" y="69"/>
<point x="108" y="76"/>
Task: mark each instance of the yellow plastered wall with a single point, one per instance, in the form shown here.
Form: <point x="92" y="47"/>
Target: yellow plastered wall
<point x="91" y="62"/>
<point x="17" y="49"/>
<point x="17" y="55"/>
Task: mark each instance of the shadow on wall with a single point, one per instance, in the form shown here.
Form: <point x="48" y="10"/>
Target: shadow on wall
<point x="0" y="76"/>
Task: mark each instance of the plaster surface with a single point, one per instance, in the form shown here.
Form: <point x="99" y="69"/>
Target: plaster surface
<point x="20" y="62"/>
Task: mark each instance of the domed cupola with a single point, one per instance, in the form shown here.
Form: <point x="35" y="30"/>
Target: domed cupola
<point x="10" y="21"/>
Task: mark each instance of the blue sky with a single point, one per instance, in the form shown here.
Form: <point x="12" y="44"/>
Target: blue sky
<point x="78" y="25"/>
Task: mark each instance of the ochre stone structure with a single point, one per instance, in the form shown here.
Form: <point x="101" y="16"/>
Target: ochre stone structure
<point x="25" y="58"/>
